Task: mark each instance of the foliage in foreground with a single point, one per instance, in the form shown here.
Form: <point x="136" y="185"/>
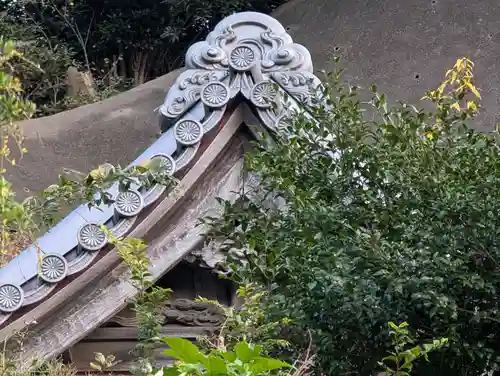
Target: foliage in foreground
<point x="371" y="280"/>
<point x="147" y="304"/>
<point x="245" y="360"/>
<point x="391" y="213"/>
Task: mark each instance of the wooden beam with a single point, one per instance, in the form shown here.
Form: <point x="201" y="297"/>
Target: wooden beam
<point x="126" y="333"/>
<point x="84" y="354"/>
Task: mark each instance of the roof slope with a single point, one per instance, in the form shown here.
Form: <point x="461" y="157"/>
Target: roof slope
<point x="82" y="138"/>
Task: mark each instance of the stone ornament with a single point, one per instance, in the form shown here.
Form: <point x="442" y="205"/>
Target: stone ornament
<point x="300" y="85"/>
<point x="247" y="38"/>
<point x="188" y="91"/>
<point x="54" y="268"/>
<point x="129" y="203"/>
<point x="248" y="53"/>
<point x="11" y="297"/>
<point x="91" y="237"/>
<point x="282" y="122"/>
<point x="188" y="132"/>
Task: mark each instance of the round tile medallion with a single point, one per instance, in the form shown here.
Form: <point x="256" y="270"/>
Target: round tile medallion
<point x="54" y="268"/>
<point x="91" y="237"/>
<point x="215" y="94"/>
<point x="263" y="94"/>
<point x="188" y="132"/>
<point x="11" y="297"/>
<point x="129" y="203"/>
<point x="242" y="58"/>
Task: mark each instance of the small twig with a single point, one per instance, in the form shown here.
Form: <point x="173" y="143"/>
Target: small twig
<point x="488" y="255"/>
<point x="307" y="363"/>
<point x="475" y="313"/>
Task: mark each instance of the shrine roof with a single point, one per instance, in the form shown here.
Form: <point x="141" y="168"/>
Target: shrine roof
<point x="248" y="57"/>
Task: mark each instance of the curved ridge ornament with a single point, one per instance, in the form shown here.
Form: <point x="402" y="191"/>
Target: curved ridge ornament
<point x="247" y="38"/>
<point x="247" y="53"/>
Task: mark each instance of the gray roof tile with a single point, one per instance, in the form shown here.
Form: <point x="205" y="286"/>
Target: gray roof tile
<point x="62" y="237"/>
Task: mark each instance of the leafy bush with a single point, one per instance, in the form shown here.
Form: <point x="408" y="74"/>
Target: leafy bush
<point x="247" y="321"/>
<point x="44" y="82"/>
<point x="391" y="213"/>
<point x="43" y="65"/>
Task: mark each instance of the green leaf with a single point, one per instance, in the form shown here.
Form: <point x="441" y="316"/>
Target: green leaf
<point x="244" y="352"/>
<point x="229" y="356"/>
<point x="416" y="351"/>
<point x="215" y="365"/>
<point x="99" y="357"/>
<point x="391" y="358"/>
<point x="97" y="367"/>
<point x="183" y="349"/>
<point x="172" y="371"/>
<point x="261" y="365"/>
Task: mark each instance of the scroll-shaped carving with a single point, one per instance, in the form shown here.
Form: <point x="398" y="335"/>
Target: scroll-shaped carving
<point x="246" y="40"/>
<point x="191" y="313"/>
<point x="178" y="311"/>
<point x="187" y="91"/>
<point x="302" y="86"/>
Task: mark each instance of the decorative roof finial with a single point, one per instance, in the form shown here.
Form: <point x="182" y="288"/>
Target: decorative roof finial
<point x="249" y="54"/>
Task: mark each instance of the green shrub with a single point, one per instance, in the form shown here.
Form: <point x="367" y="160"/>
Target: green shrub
<point x="401" y="360"/>
<point x="391" y="214"/>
